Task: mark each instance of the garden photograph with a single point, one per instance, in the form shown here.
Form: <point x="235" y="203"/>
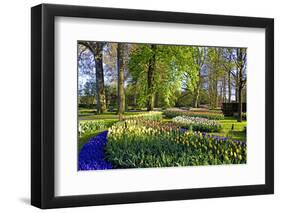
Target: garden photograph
<point x="160" y="105"/>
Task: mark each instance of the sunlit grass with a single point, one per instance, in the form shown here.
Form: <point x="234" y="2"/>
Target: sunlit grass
<point x="108" y="120"/>
<point x="232" y="128"/>
<point x="237" y="133"/>
<point x="228" y="122"/>
<point x="106" y="115"/>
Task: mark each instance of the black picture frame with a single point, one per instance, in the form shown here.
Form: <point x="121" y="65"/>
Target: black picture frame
<point x="43" y="117"/>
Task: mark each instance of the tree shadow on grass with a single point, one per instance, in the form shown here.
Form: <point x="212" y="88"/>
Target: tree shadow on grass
<point x="237" y="135"/>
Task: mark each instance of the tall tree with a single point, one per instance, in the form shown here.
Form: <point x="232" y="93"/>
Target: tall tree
<point x="101" y="99"/>
<point x="199" y="56"/>
<point x="240" y="59"/>
<point x="229" y="85"/>
<point x="121" y="78"/>
<point x="228" y="66"/>
<point x="215" y="74"/>
<point x="97" y="50"/>
<point x="150" y="78"/>
<point x="90" y="91"/>
<point x="171" y="69"/>
<point x="238" y="72"/>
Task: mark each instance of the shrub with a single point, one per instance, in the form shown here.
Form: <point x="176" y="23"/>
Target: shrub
<point x="200" y="114"/>
<point x="230" y="109"/>
<point x="197" y="123"/>
<point x="87" y="127"/>
<point x="134" y="144"/>
<point x="111" y="109"/>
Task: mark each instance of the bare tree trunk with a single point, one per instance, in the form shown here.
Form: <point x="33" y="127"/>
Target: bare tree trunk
<point x="121" y="77"/>
<point x="101" y="99"/>
<point x="240" y="83"/>
<point x="197" y="92"/>
<point x="97" y="50"/>
<point x="150" y="79"/>
<point x="239" y="119"/>
<point x="211" y="91"/>
<point x="135" y="99"/>
<point x="156" y="100"/>
<point x="240" y="87"/>
<point x="216" y="91"/>
<point x="229" y="86"/>
<point x="200" y="62"/>
<point x="236" y="93"/>
<point x="221" y="95"/>
<point x="224" y="90"/>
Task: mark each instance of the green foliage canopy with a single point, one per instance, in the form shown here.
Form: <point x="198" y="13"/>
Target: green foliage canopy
<point x="172" y="68"/>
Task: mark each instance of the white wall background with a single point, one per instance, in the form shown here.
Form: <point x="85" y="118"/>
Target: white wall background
<point x="15" y="105"/>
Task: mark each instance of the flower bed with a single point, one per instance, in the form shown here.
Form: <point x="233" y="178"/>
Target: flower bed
<point x="92" y="156"/>
<point x="137" y="144"/>
<point x="201" y="114"/>
<point x="197" y="123"/>
<point x="87" y="127"/>
<point x="152" y="115"/>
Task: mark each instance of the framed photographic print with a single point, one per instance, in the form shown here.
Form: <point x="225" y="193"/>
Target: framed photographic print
<point x="140" y="106"/>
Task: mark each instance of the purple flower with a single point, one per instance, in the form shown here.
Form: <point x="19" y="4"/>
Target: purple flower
<point x="183" y="130"/>
<point x="92" y="156"/>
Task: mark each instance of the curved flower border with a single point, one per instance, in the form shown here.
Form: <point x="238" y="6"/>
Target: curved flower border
<point x="92" y="156"/>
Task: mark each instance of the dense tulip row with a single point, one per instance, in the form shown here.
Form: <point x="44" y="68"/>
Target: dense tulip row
<point x="142" y="144"/>
<point x="197" y="124"/>
<point x="86" y="127"/>
<point x="200" y="114"/>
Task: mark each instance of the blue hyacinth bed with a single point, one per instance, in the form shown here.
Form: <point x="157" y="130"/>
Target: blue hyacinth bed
<point x="92" y="156"/>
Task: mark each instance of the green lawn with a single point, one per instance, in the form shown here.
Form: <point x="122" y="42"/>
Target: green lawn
<point x="237" y="132"/>
<point x="109" y="119"/>
<point x="106" y="115"/>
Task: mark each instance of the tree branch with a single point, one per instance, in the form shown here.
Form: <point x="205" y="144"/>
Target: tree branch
<point x="86" y="44"/>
